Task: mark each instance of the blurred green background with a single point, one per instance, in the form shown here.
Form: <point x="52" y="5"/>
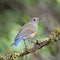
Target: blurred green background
<point x="15" y="13"/>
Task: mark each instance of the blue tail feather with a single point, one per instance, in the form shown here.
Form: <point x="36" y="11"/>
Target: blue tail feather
<point x="16" y="42"/>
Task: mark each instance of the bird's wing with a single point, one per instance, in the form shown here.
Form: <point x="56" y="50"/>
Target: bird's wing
<point x="26" y="30"/>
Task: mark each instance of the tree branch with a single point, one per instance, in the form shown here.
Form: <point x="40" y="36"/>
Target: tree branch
<point x="53" y="37"/>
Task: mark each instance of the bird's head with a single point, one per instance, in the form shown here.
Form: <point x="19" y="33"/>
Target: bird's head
<point x="35" y="20"/>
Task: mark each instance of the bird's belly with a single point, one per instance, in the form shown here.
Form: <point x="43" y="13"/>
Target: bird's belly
<point x="32" y="35"/>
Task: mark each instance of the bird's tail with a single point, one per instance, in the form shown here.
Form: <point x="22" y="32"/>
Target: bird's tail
<point x="16" y="42"/>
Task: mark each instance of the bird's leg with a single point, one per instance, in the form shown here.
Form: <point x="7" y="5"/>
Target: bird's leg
<point x="25" y="44"/>
<point x="25" y="47"/>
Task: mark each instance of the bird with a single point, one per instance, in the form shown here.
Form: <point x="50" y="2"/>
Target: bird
<point x="27" y="31"/>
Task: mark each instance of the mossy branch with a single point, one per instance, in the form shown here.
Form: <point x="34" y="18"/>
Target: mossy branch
<point x="53" y="37"/>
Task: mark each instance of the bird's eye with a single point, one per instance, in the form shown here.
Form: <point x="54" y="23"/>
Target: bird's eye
<point x="34" y="20"/>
